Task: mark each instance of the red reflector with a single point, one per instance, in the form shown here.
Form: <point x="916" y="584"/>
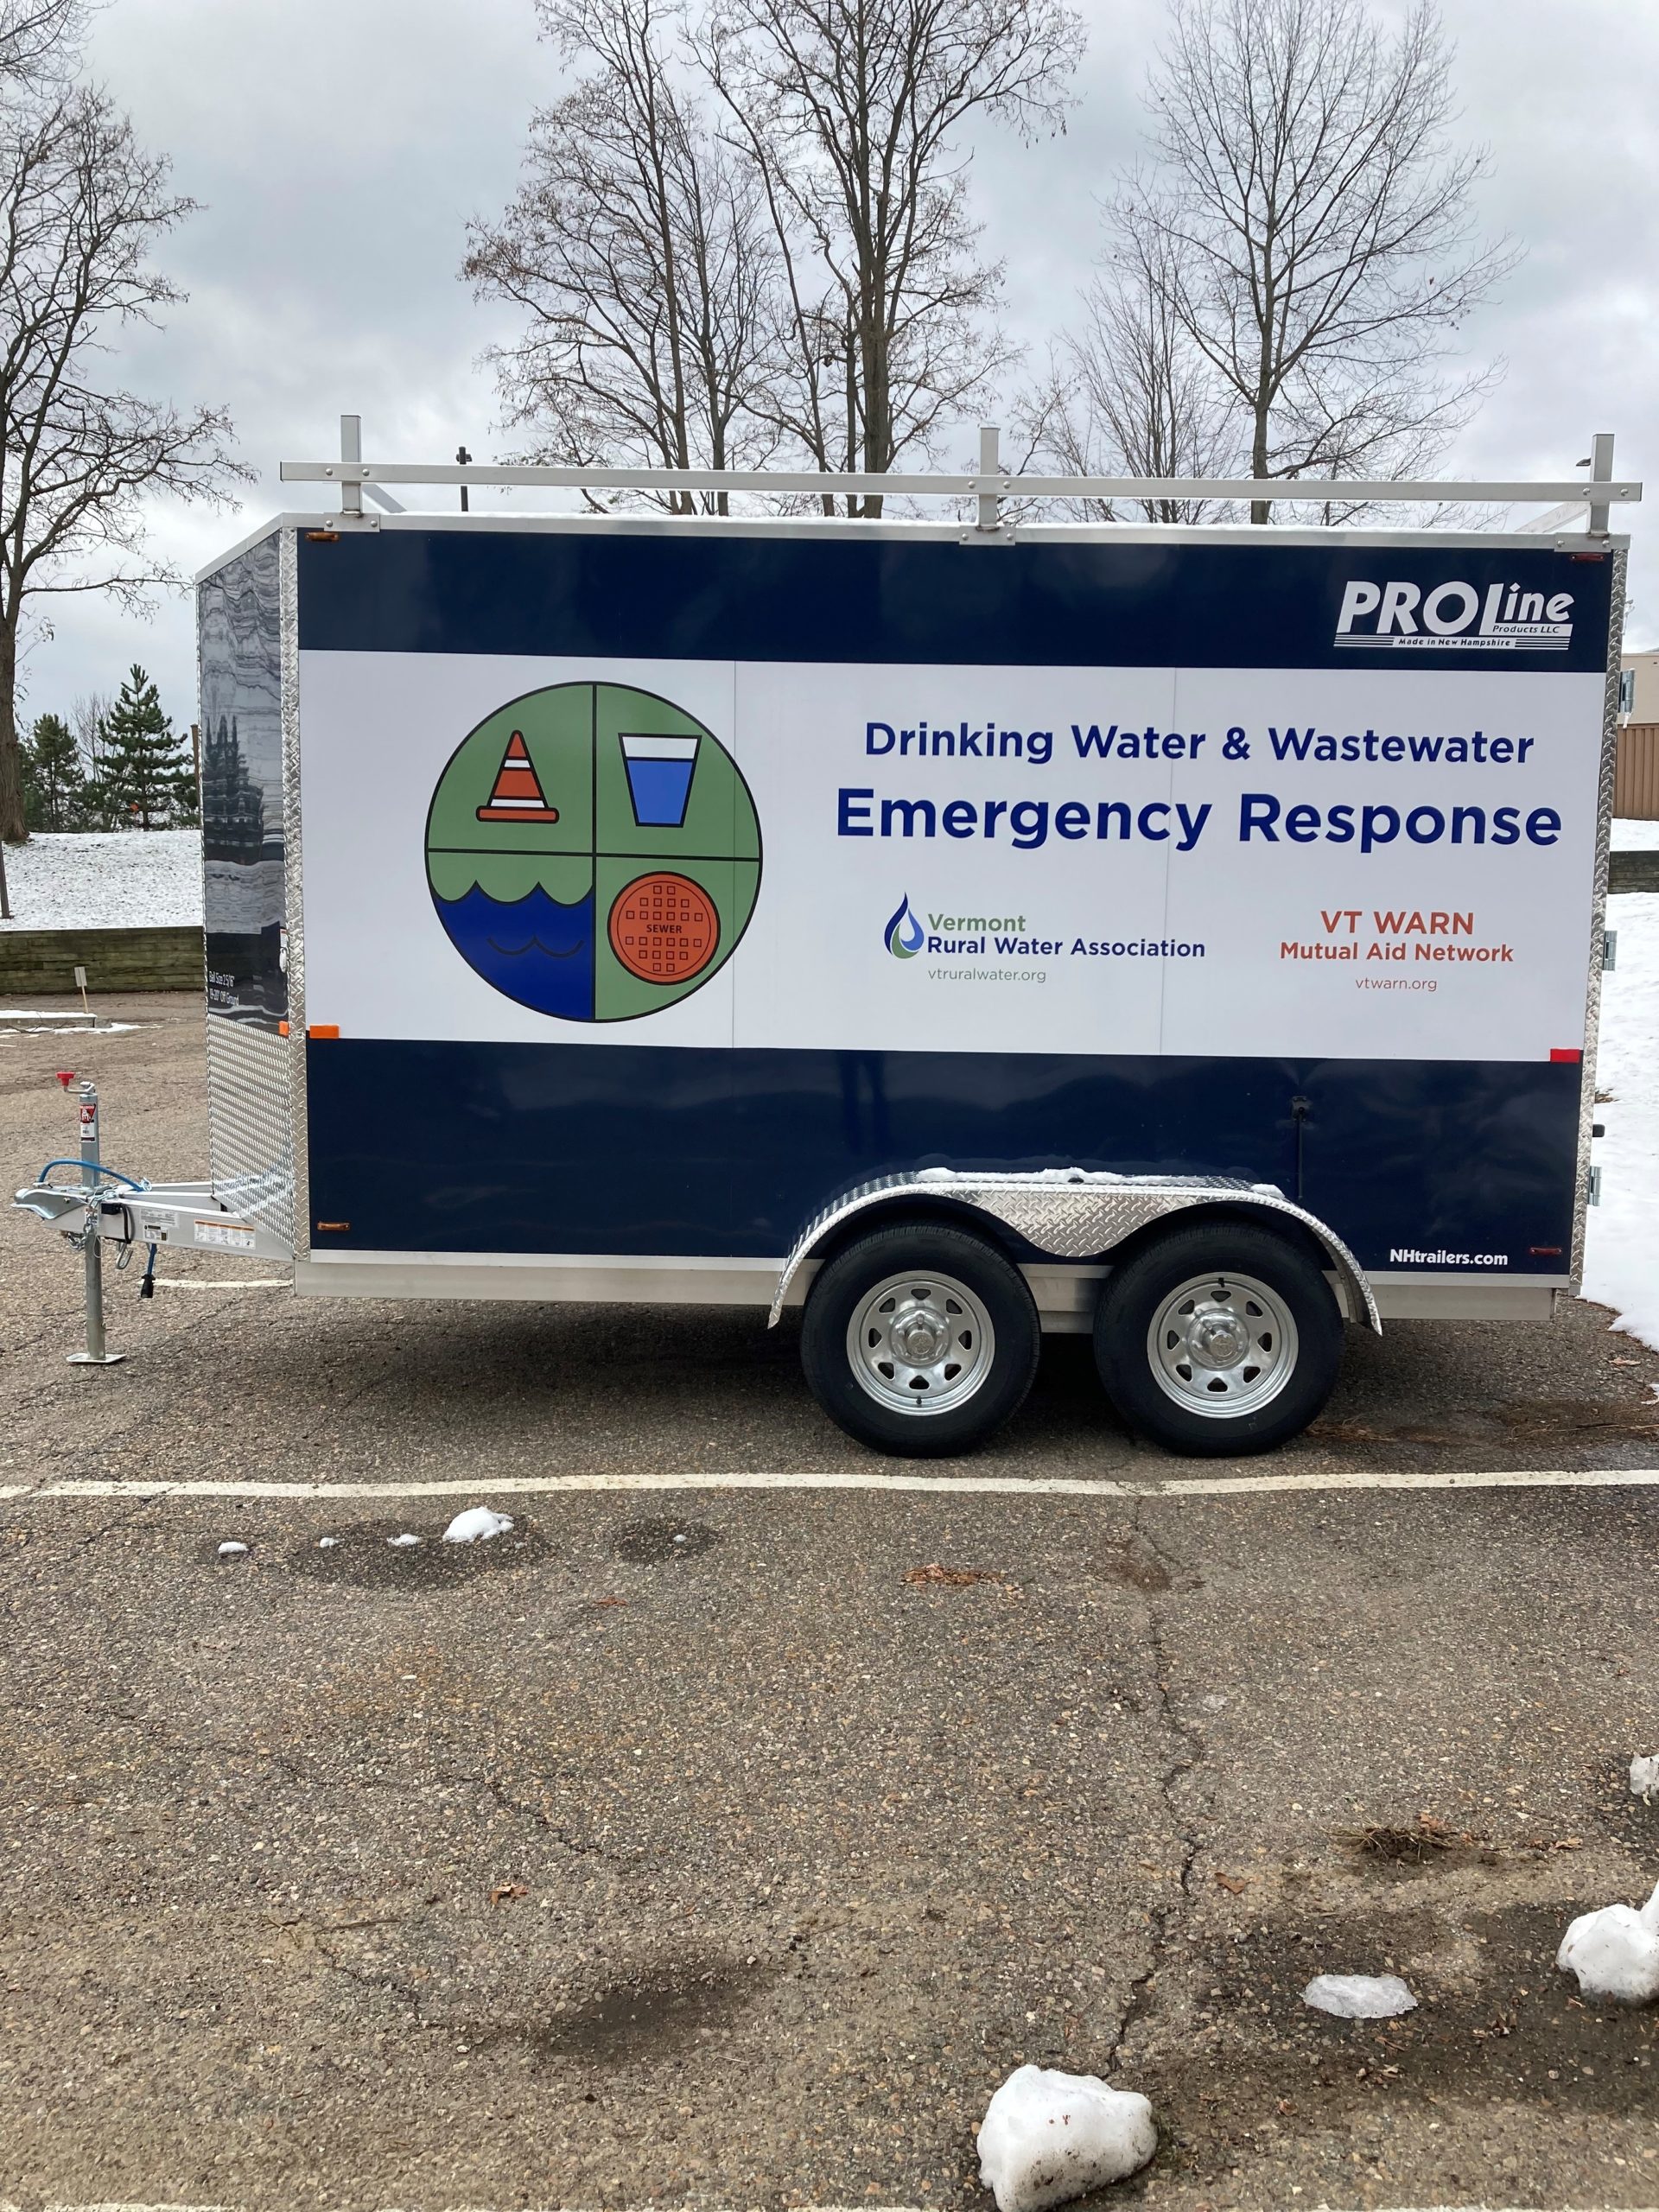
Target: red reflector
<point x="1563" y="1053"/>
<point x="1544" y="1251"/>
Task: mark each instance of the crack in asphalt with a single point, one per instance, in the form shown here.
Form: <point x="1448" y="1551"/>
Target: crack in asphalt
<point x="533" y="1812"/>
<point x="1187" y="1754"/>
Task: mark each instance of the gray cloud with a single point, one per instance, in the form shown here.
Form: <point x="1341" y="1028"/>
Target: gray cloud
<point x="341" y="147"/>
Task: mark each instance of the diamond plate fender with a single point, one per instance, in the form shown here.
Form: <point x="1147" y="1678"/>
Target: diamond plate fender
<point x="1069" y="1213"/>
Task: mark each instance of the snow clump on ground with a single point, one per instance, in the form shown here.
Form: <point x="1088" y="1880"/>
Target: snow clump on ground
<point x="1048" y="2136"/>
<point x="402" y="1543"/>
<point x="1644" y="1777"/>
<point x="232" y="1550"/>
<point x="1359" y="1996"/>
<point x="477" y="1525"/>
<point x="1615" y="1952"/>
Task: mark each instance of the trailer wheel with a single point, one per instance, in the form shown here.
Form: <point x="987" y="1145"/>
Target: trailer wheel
<point x="1219" y="1339"/>
<point x="920" y="1340"/>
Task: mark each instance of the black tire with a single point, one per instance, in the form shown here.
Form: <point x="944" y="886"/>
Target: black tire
<point x="1191" y="1413"/>
<point x="1008" y="1351"/>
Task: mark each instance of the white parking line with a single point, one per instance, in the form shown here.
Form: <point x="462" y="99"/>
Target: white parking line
<point x="873" y="1479"/>
<point x="6" y="2205"/>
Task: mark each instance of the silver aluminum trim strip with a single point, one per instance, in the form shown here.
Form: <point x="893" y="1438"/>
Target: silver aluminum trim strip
<point x="631" y="1282"/>
<point x="665" y="1262"/>
<point x="1455" y="1276"/>
<point x="1597" y="919"/>
<point x="1467" y="1301"/>
<point x="294" y="885"/>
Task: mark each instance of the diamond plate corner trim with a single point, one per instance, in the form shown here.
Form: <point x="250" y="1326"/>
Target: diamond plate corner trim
<point x="293" y="895"/>
<point x="1076" y="1215"/>
<point x="1598" y="917"/>
<point x="249" y="1128"/>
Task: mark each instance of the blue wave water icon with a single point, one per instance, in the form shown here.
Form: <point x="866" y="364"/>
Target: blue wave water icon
<point x="904" y="932"/>
<point x="533" y="948"/>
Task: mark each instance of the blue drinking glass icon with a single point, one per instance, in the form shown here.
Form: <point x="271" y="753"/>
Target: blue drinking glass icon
<point x="659" y="779"/>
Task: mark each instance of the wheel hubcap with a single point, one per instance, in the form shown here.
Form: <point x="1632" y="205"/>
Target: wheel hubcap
<point x="1223" y="1346"/>
<point x="920" y="1343"/>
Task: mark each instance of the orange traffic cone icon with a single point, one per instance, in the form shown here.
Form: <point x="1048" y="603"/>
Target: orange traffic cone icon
<point x="518" y="796"/>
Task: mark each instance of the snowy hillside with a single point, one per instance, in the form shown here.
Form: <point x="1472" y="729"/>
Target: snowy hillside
<point x="133" y="878"/>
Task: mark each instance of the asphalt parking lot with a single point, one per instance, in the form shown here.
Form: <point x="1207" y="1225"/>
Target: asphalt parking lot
<point x="728" y="1847"/>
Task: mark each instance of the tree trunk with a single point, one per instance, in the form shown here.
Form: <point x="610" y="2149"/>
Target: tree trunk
<point x="1261" y="510"/>
<point x="14" y="830"/>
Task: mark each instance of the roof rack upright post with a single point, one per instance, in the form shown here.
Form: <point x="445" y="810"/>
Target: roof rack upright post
<point x="991" y="467"/>
<point x="1601" y="470"/>
<point x="351" y="449"/>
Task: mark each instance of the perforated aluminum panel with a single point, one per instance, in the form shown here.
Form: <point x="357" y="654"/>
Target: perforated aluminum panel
<point x="250" y="1125"/>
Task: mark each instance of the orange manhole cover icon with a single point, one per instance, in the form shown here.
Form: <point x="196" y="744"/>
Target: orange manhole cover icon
<point x="664" y="928"/>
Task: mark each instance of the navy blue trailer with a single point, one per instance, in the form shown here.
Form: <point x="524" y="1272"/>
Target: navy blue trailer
<point x="1190" y="936"/>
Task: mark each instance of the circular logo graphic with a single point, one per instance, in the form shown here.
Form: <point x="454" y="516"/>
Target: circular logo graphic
<point x="593" y="851"/>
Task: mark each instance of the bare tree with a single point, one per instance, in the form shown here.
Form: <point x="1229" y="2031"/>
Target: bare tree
<point x="87" y="717"/>
<point x="80" y="203"/>
<point x="638" y="246"/>
<point x="40" y="40"/>
<point x="850" y="111"/>
<point x="1318" y="245"/>
<point x="1128" y="395"/>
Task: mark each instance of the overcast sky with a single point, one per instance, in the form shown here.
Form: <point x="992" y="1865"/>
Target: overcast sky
<point x="341" y="146"/>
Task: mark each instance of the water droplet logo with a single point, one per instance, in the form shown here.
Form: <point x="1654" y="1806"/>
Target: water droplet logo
<point x="904" y="933"/>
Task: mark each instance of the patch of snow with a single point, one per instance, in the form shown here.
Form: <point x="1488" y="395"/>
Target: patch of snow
<point x="477" y="1525"/>
<point x="1622" y="1233"/>
<point x="52" y="1025"/>
<point x="1359" y="1996"/>
<point x="1644" y="1777"/>
<point x="231" y="1550"/>
<point x="1631" y="836"/>
<point x="1615" y="1952"/>
<point x="327" y="1543"/>
<point x="402" y="1542"/>
<point x="131" y="878"/>
<point x="1048" y="2136"/>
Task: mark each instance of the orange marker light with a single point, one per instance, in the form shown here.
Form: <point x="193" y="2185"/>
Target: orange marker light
<point x="323" y="1029"/>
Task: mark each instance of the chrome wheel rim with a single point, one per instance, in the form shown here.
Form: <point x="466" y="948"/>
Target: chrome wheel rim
<point x="1223" y="1346"/>
<point x="920" y="1343"/>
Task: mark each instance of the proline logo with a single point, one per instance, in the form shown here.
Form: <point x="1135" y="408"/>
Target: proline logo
<point x="1453" y="617"/>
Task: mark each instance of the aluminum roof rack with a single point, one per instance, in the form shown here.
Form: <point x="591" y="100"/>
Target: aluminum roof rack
<point x="990" y="484"/>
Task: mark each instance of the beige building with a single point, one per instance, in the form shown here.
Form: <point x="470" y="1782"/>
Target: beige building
<point x="1638" y="688"/>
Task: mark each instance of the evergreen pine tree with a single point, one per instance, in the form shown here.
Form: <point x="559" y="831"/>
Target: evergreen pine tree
<point x="54" y="787"/>
<point x="147" y="779"/>
<point x="233" y="805"/>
